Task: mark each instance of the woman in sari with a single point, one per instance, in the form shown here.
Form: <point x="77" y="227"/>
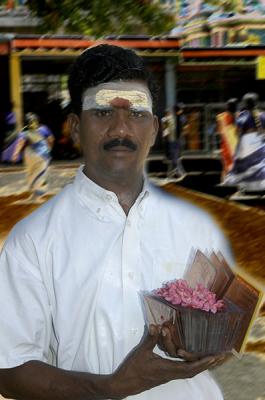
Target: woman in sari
<point x="35" y="141"/>
<point x="248" y="171"/>
<point x="227" y="129"/>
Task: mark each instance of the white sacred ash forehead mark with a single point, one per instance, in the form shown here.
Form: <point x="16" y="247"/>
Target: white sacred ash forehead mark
<point x="135" y="97"/>
<point x="107" y="94"/>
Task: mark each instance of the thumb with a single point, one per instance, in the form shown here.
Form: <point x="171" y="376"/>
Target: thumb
<point x="151" y="338"/>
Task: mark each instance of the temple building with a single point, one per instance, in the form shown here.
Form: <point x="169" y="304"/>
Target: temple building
<point x="235" y="22"/>
<point x="212" y="54"/>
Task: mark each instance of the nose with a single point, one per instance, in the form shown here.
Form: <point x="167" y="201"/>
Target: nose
<point x="121" y="124"/>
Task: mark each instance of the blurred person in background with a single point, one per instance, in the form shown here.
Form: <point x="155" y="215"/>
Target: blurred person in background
<point x="192" y="130"/>
<point x="248" y="171"/>
<point x="181" y="126"/>
<point x="35" y="142"/>
<point x="168" y="133"/>
<point x="9" y="133"/>
<point x="227" y="129"/>
<point x="173" y="124"/>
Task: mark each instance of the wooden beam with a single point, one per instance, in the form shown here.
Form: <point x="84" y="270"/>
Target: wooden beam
<point x="74" y="44"/>
<point x="212" y="53"/>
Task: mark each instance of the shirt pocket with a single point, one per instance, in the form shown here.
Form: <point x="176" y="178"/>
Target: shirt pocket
<point x="167" y="266"/>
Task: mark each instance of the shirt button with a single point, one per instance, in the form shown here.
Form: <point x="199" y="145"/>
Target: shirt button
<point x="108" y="197"/>
<point x="131" y="275"/>
<point x="128" y="223"/>
<point x="134" y="331"/>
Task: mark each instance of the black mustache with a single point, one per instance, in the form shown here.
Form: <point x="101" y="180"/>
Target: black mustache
<point x="120" y="142"/>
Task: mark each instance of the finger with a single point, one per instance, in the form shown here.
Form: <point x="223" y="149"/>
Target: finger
<point x="187" y="356"/>
<point x="195" y="367"/>
<point x="175" y="337"/>
<point x="221" y="359"/>
<point x="187" y="369"/>
<point x="168" y="343"/>
<point x="151" y="338"/>
<point x="160" y="343"/>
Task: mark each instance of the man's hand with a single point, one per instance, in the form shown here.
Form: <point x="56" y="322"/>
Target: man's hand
<point x="143" y="369"/>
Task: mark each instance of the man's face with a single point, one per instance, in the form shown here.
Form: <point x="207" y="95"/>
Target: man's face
<point x="116" y="128"/>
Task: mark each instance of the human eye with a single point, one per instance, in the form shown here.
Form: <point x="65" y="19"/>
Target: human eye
<point x="137" y="114"/>
<point x="102" y="112"/>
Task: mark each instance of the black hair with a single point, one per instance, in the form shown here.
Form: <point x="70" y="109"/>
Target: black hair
<point x="30" y="116"/>
<point x="105" y="63"/>
<point x="231" y="105"/>
<point x="250" y="101"/>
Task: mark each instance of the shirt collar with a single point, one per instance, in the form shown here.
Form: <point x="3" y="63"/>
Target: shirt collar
<point x="97" y="198"/>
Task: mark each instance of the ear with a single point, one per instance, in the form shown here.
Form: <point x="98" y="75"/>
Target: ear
<point x="74" y="124"/>
<point x="155" y="131"/>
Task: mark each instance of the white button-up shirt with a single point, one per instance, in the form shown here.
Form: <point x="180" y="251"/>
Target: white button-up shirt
<point x="71" y="272"/>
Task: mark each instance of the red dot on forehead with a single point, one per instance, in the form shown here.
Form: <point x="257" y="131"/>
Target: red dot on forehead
<point x="120" y="102"/>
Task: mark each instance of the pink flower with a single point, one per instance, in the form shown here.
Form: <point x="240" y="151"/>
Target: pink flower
<point x="178" y="292"/>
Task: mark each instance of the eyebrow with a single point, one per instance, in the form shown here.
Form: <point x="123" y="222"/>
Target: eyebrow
<point x="102" y="108"/>
<point x="110" y="107"/>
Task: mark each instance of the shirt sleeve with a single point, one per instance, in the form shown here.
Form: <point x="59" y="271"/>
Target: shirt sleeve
<point x="242" y="120"/>
<point x="25" y="317"/>
<point x="45" y="131"/>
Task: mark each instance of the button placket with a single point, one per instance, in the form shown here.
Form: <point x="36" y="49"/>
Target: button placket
<point x="141" y="204"/>
<point x="130" y="252"/>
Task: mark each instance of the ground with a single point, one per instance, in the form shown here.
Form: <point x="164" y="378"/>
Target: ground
<point x="239" y="379"/>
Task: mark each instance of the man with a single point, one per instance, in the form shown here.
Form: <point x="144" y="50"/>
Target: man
<point x="70" y="274"/>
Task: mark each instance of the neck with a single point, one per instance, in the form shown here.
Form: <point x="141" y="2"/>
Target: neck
<point x="127" y="187"/>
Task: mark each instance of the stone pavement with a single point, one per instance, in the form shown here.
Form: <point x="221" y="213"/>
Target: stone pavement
<point x="12" y="178"/>
<point x="239" y="379"/>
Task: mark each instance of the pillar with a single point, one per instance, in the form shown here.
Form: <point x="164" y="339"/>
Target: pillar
<point x="16" y="88"/>
<point x="170" y="84"/>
